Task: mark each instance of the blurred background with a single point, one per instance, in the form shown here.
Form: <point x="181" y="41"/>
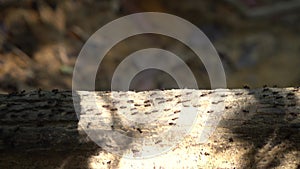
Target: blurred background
<point x="257" y="40"/>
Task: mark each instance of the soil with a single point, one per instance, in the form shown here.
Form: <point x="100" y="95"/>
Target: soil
<point x="41" y="40"/>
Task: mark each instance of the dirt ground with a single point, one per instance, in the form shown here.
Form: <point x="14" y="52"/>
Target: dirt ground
<point x="40" y="41"/>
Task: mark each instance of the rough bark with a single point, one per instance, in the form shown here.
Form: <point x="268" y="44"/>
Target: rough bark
<point x="259" y="128"/>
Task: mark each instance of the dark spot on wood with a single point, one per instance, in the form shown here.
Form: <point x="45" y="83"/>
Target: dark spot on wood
<point x="265" y="89"/>
<point x="147" y="105"/>
<point x="159" y="98"/>
<point x="172" y="124"/>
<point x="89" y="124"/>
<point x="275" y="92"/>
<point x="206" y="153"/>
<point x="55" y="91"/>
<point x="137" y="104"/>
<point x="158" y="141"/>
<point x="160" y="102"/>
<point x="246" y="111"/>
<point x="129" y="101"/>
<point x="147" y="112"/>
<point x="134" y="113"/>
<point x="115" y="102"/>
<point x="188" y="93"/>
<point x="168" y="100"/>
<point x="177" y="111"/>
<point x="123" y="107"/>
<point x="228" y="107"/>
<point x="239" y="93"/>
<point x="296" y="89"/>
<point x="132" y="109"/>
<point x="147" y="101"/>
<point x="105" y="106"/>
<point x="278" y="97"/>
<point x="152" y="94"/>
<point x="175" y="118"/>
<point x="135" y="151"/>
<point x="217" y="102"/>
<point x="203" y="95"/>
<point x="290" y="94"/>
<point x="178" y="96"/>
<point x="108" y="162"/>
<point x="139" y="130"/>
<point x="167" y="109"/>
<point x="112" y="127"/>
<point x="230" y="140"/>
<point x="292" y="105"/>
<point x="113" y="109"/>
<point x="183" y="101"/>
<point x="154" y="111"/>
<point x="251" y="93"/>
<point x="246" y="87"/>
<point x="210" y="111"/>
<point x="264" y="86"/>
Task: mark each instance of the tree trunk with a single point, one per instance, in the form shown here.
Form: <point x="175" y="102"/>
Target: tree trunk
<point x="258" y="128"/>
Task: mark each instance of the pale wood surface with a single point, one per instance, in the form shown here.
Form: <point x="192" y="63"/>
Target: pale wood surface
<point x="259" y="128"/>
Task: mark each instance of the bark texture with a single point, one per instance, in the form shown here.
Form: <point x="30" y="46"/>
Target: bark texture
<point x="258" y="128"/>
